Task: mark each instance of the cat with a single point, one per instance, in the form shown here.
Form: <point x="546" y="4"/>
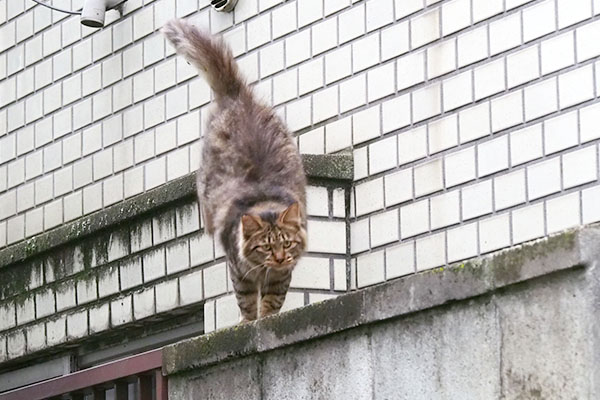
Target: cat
<point x="251" y="181"/>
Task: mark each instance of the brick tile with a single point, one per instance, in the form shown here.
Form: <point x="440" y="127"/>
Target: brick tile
<point x="414" y="218"/>
<point x="394" y="41"/>
<point x="398" y="187"/>
<point x="351" y="23"/>
<point x="353" y="93"/>
<point x="509" y="190"/>
<point x="457" y="90"/>
<point x="379" y="13"/>
<point x="528" y="223"/>
<point x="573" y="11"/>
<point x="384" y="228"/>
<point x="462" y="242"/>
<point x="587" y="45"/>
<point x="576" y="86"/>
<point x="477" y="200"/>
<point x="425" y="28"/>
<point x="365" y="53"/>
<point x="121" y="311"/>
<point x="441" y="58"/>
<point x="311" y="273"/>
<point x="543" y="178"/>
<point x="412" y="145"/>
<point x="359" y="236"/>
<point x="580" y="167"/>
<point x="443" y="134"/>
<point x="486" y="9"/>
<point x="410" y="70"/>
<point x="590" y="199"/>
<point x="366" y="124"/>
<point x="492" y="156"/>
<point x="166" y="296"/>
<point x="324" y="37"/>
<point x="589" y="123"/>
<point x="557" y="53"/>
<point x="489" y="79"/>
<point x="523" y="66"/>
<point x="382" y="155"/>
<point x="494" y="233"/>
<point x="431" y="251"/>
<point x="190" y="288"/>
<point x="474" y="122"/>
<point x="560" y="133"/>
<point x="369" y="269"/>
<point x="215" y="280"/>
<point x="456" y="15"/>
<point x="538" y="20"/>
<point x="526" y="144"/>
<point x="472" y="46"/>
<point x="507" y="111"/>
<point x="562" y="213"/>
<point x="426" y="102"/>
<point x="540" y="99"/>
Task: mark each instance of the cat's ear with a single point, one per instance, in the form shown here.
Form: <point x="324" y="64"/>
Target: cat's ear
<point x="291" y="215"/>
<point x="251" y="224"/>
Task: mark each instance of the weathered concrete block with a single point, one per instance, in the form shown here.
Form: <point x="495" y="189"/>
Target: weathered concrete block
<point x="16" y="344"/>
<point x="449" y="353"/>
<point x="546" y="340"/>
<point x="36" y="337"/>
<point x="56" y="331"/>
<point x="77" y="324"/>
<point x="235" y="380"/>
<point x="336" y="368"/>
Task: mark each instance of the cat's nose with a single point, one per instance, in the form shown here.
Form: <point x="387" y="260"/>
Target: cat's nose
<point x="279" y="257"/>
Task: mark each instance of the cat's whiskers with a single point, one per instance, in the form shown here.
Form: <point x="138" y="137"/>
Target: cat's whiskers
<point x="266" y="281"/>
<point x="252" y="269"/>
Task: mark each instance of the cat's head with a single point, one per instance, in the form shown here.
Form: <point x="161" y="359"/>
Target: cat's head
<point x="274" y="239"/>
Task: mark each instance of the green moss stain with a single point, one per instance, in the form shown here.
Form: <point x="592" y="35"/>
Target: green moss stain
<point x="211" y="348"/>
<point x="15" y="280"/>
<point x="164" y="225"/>
<point x="100" y="250"/>
<point x="508" y="265"/>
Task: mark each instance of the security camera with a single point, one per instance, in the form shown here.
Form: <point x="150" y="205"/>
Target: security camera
<point x="93" y="11"/>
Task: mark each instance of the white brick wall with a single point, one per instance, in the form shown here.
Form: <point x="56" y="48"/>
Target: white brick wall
<point x="474" y="126"/>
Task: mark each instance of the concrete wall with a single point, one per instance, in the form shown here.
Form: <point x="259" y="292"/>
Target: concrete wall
<point x="518" y="325"/>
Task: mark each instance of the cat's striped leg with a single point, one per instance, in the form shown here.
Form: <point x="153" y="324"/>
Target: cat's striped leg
<point x="273" y="293"/>
<point x="246" y="294"/>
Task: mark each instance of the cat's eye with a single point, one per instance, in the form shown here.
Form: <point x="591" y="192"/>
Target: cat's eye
<point x="287" y="244"/>
<point x="266" y="247"/>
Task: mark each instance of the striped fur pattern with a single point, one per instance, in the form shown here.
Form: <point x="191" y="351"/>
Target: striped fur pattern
<point x="251" y="182"/>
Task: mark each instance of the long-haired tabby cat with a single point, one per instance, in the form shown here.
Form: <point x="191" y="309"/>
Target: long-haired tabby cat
<point x="251" y="183"/>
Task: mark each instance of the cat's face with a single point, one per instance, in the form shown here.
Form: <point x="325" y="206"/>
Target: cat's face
<point x="276" y="241"/>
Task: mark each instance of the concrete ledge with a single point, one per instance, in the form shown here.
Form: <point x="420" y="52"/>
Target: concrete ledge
<point x="339" y="167"/>
<point x="389" y="300"/>
<point x="317" y="167"/>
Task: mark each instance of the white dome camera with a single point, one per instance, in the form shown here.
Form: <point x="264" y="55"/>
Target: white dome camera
<point x="93" y="11"/>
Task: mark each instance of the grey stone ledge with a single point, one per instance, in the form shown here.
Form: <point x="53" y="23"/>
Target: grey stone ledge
<point x="334" y="167"/>
<point x="393" y="299"/>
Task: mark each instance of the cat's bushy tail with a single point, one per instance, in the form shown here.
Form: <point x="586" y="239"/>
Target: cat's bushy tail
<point x="207" y="53"/>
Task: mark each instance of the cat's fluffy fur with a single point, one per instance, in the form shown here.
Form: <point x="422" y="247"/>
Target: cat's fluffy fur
<point x="251" y="182"/>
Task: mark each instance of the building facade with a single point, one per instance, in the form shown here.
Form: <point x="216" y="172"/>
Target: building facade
<point x="473" y="125"/>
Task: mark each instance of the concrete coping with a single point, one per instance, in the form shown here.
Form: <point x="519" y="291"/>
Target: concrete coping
<point x="389" y="300"/>
<point x="318" y="167"/>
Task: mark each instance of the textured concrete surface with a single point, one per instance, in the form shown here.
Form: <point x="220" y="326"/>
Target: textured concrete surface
<point x="516" y="325"/>
<point x="314" y="369"/>
<point x="238" y="380"/>
<point x="432" y="355"/>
